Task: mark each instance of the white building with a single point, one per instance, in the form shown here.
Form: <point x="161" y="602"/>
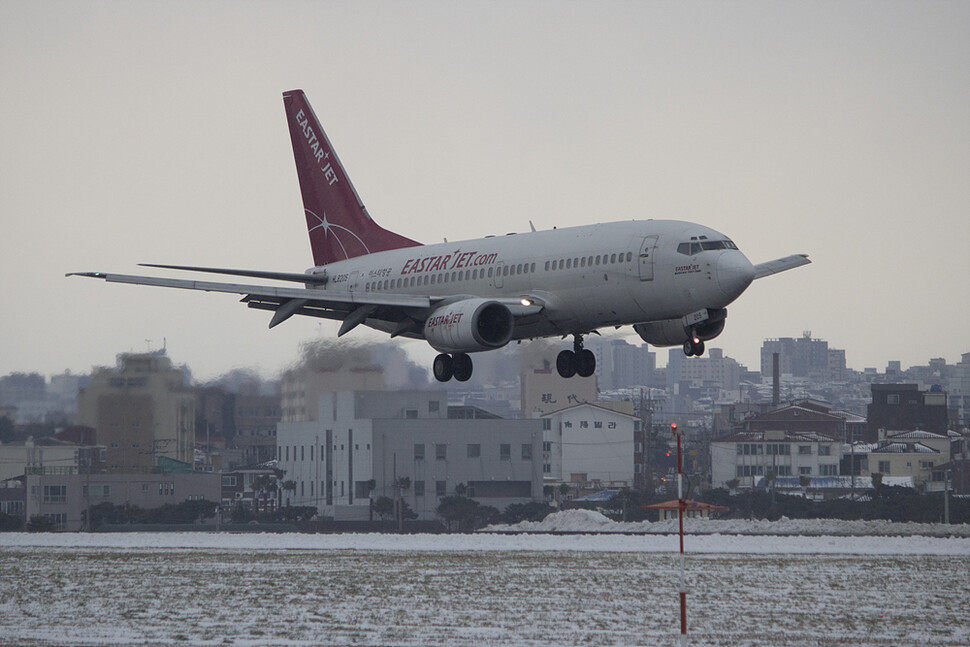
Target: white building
<point x="750" y="455"/>
<point x="589" y="444"/>
<point x="362" y="442"/>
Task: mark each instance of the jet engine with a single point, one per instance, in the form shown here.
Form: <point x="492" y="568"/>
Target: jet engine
<point x="674" y="332"/>
<point x="469" y="325"/>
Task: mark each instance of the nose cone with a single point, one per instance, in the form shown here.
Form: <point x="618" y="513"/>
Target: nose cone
<point x="734" y="274"/>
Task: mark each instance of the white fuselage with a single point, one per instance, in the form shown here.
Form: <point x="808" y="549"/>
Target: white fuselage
<point x="585" y="277"/>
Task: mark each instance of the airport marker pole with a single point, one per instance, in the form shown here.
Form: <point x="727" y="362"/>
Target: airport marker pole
<point x="681" y="507"/>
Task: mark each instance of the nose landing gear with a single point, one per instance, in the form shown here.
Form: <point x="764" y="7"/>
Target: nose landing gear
<point x="579" y="361"/>
<point x="693" y="347"/>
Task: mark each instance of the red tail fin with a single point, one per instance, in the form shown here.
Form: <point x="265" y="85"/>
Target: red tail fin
<point x="337" y="221"/>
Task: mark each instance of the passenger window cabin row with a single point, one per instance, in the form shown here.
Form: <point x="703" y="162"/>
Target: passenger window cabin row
<point x="506" y="270"/>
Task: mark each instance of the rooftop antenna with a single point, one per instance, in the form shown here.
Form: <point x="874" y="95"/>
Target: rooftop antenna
<point x="531" y="226"/>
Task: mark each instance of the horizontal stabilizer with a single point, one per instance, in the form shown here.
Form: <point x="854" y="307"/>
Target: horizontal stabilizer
<point x="768" y="268"/>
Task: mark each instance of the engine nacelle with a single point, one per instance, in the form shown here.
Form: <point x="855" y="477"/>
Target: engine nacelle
<point x="469" y="325"/>
<point x="674" y="332"/>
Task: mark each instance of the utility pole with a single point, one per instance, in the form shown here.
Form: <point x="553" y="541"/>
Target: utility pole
<point x="852" y="468"/>
<point x="946" y="497"/>
<point x="646" y="431"/>
<point x="681" y="508"/>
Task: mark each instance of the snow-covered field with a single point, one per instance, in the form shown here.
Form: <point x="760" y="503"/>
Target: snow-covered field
<point x="482" y="589"/>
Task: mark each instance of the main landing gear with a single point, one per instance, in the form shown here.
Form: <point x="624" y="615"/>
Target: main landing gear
<point x="578" y="361"/>
<point x="458" y="366"/>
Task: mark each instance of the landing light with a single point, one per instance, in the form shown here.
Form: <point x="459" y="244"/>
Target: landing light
<point x="525" y="302"/>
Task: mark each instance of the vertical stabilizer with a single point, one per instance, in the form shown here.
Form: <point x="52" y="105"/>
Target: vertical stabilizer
<point x="338" y="224"/>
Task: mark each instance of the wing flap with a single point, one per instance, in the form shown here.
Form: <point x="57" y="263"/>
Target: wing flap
<point x="768" y="268"/>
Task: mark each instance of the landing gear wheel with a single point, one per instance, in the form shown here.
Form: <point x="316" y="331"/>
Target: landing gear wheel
<point x="693" y="349"/>
<point x="566" y="364"/>
<point x="462" y="366"/>
<point x="443" y="368"/>
<point x="585" y="363"/>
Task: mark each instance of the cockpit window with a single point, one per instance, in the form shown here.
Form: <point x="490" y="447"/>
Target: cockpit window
<point x="690" y="249"/>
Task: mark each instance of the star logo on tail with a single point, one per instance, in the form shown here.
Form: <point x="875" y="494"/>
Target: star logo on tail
<point x="330" y="228"/>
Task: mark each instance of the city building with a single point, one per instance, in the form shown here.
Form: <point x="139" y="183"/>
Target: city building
<point x="254" y="422"/>
<point x="590" y="445"/>
<point x="912" y="459"/>
<point x="905" y="407"/>
<point x="237" y="487"/>
<point x="620" y="364"/>
<point x="807" y="416"/>
<point x="362" y="445"/>
<point x="63" y="497"/>
<point x="141" y="410"/>
<point x="803" y="357"/>
<point x="303" y="386"/>
<point x="543" y="391"/>
<point x="48" y="455"/>
<point x="712" y="370"/>
<point x="748" y="456"/>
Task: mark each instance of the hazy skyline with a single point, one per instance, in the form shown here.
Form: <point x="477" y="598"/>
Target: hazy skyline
<point x="154" y="132"/>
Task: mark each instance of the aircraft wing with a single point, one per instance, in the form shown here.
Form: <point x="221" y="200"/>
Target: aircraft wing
<point x="285" y="301"/>
<point x="768" y="268"/>
<point x="404" y="312"/>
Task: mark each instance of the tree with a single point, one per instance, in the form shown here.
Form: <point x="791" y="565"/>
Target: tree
<point x="300" y="513"/>
<point x="40" y="523"/>
<point x="628" y="504"/>
<point x="289" y="486"/>
<point x="186" y="512"/>
<point x="401" y="485"/>
<point x="384" y="507"/>
<point x="264" y="487"/>
<point x="242" y="514"/>
<point x="464" y="514"/>
<point x="10" y="522"/>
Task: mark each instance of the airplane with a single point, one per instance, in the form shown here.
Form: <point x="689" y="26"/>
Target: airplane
<point x="671" y="280"/>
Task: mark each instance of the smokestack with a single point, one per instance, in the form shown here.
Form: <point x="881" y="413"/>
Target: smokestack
<point x="775" y="380"/>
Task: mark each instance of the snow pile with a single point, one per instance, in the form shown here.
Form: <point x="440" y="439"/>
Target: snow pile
<point x="566" y="521"/>
<point x="588" y="521"/>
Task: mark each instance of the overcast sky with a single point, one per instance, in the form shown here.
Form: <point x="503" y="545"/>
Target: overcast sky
<point x="154" y="132"/>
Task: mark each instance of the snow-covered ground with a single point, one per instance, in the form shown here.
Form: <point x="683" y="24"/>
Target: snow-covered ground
<point x="520" y="590"/>
<point x="590" y="521"/>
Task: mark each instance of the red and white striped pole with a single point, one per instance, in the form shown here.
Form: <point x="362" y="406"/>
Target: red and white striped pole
<point x="681" y="508"/>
